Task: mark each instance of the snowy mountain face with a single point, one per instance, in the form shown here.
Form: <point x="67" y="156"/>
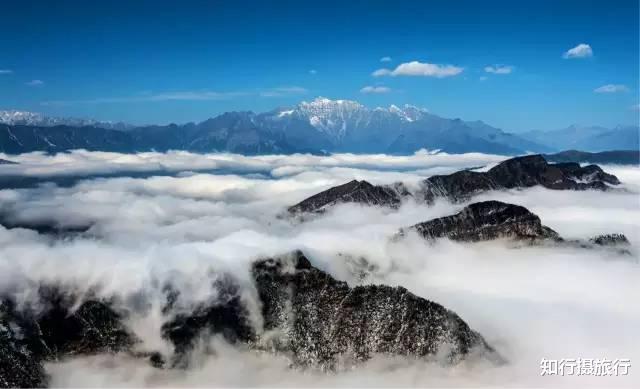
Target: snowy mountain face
<point x="339" y="119"/>
<point x="25" y="118"/>
<point x="333" y="117"/>
<point x="349" y="126"/>
<point x="319" y="126"/>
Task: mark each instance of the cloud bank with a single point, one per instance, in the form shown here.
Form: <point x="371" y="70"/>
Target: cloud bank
<point x="214" y="214"/>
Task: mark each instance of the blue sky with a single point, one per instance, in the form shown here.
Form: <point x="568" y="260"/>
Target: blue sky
<point x="503" y="62"/>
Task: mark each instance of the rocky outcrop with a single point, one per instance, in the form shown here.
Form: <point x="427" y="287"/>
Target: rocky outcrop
<point x="20" y="366"/>
<point x="360" y="192"/>
<point x="618" y="157"/>
<point x="610" y="240"/>
<point x="93" y="327"/>
<point x="56" y="329"/>
<point x="486" y="220"/>
<point x="226" y="316"/>
<point x="519" y="172"/>
<point x="317" y="319"/>
<point x="308" y="315"/>
<point x="490" y="220"/>
<point x="319" y="322"/>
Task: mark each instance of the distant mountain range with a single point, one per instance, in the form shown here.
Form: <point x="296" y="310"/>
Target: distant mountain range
<point x="619" y="157"/>
<point x="25" y="118"/>
<point x="588" y="138"/>
<point x="319" y="126"/>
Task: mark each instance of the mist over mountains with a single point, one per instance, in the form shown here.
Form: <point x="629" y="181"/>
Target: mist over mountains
<point x="319" y="126"/>
<point x="201" y="276"/>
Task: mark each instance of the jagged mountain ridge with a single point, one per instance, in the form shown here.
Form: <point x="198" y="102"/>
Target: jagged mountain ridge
<point x="518" y="172"/>
<point x="307" y="314"/>
<point x="486" y="220"/>
<point x="26" y="118"/>
<point x="618" y="157"/>
<point x="321" y="125"/>
<point x="318" y="321"/>
<point x="490" y="220"/>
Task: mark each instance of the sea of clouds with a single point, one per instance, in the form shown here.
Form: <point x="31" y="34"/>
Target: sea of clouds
<point x="189" y="219"/>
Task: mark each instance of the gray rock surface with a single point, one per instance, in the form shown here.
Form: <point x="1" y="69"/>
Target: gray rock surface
<point x="318" y="320"/>
<point x="484" y="221"/>
<point x="360" y="192"/>
<point x="519" y="172"/>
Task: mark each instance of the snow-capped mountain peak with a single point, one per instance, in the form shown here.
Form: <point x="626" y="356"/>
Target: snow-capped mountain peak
<point x="14" y="117"/>
<point x="336" y="118"/>
<point x="333" y="117"/>
<point x="412" y="113"/>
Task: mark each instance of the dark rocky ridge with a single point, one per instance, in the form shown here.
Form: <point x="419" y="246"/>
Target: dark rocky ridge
<point x="55" y="330"/>
<point x="619" y="157"/>
<point x="318" y="319"/>
<point x="486" y="220"/>
<point x="519" y="172"/>
<point x="360" y="192"/>
<point x="308" y="315"/>
<point x="20" y="367"/>
<point x="490" y="220"/>
<point x="610" y="240"/>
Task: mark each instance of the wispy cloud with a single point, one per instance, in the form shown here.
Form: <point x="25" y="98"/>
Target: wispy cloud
<point x="283" y="91"/>
<point x="152" y="97"/>
<point x="583" y="50"/>
<point x="200" y="95"/>
<point x="313" y="72"/>
<point x="381" y="72"/>
<point x="611" y="88"/>
<point x="35" y="83"/>
<point x="385" y="59"/>
<point x="375" y="89"/>
<point x="499" y="69"/>
<point x="6" y="71"/>
<point x="483" y="78"/>
<point x="423" y="69"/>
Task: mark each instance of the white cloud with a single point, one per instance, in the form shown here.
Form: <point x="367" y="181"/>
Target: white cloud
<point x="381" y="72"/>
<point x="375" y="89"/>
<point x="202" y="95"/>
<point x="499" y="69"/>
<point x="385" y="59"/>
<point x="415" y="68"/>
<point x="611" y="88"/>
<point x="152" y="97"/>
<point x="583" y="50"/>
<point x="35" y="83"/>
<point x="187" y="229"/>
<point x="484" y="78"/>
<point x="283" y="91"/>
<point x="6" y="71"/>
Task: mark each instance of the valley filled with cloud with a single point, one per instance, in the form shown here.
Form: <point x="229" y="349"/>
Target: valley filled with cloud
<point x="122" y="226"/>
